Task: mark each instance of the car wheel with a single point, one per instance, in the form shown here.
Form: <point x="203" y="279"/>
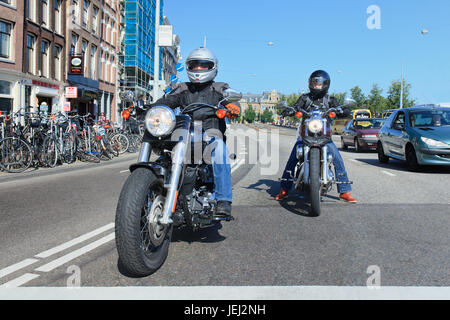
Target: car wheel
<point x="357" y="146"/>
<point x="411" y="158"/>
<point x="343" y="145"/>
<point x="381" y="156"/>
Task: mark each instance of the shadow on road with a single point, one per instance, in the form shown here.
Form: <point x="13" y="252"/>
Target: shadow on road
<point x="401" y="166"/>
<point x="295" y="202"/>
<point x="207" y="235"/>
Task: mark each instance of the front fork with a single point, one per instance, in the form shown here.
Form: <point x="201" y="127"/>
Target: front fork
<point x="178" y="154"/>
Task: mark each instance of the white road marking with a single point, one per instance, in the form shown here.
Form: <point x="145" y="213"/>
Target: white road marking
<point x="388" y="173"/>
<point x="75" y="254"/>
<point x="17" y="266"/>
<point x="75" y="241"/>
<point x="354" y="160"/>
<point x="20" y="280"/>
<point x="123" y="171"/>
<point x="239" y="163"/>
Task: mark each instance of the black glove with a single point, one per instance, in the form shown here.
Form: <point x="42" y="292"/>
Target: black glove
<point x="289" y="111"/>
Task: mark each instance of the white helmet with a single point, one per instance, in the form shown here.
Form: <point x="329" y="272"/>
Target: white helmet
<point x="201" y="65"/>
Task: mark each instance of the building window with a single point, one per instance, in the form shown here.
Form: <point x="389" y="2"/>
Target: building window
<point x="73" y="44"/>
<point x="106" y="67"/>
<point x="45" y="13"/>
<point x="94" y="19"/>
<point x="30" y="9"/>
<point x="30" y="54"/>
<point x="45" y="58"/>
<point x="84" y="46"/>
<point x="86" y="4"/>
<point x="107" y="27"/>
<point x="6" y="101"/>
<point x="5" y="39"/>
<point x="58" y="16"/>
<point x="93" y="62"/>
<point x="57" y="58"/>
<point x="113" y="33"/>
<point x="75" y="11"/>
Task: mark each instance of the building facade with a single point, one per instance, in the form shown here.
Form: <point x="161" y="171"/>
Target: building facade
<point x="260" y="102"/>
<point x="171" y="56"/>
<point x="32" y="55"/>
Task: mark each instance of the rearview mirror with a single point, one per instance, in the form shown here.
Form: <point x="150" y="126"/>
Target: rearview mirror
<point x="232" y="95"/>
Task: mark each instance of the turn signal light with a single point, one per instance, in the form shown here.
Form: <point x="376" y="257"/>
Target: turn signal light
<point x="332" y="115"/>
<point x="299" y="115"/>
<point x="125" y="114"/>
<point x="221" y="114"/>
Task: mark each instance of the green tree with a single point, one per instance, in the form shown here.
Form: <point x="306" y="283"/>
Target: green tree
<point x="358" y="96"/>
<point x="376" y="102"/>
<point x="267" y="116"/>
<point x="249" y="114"/>
<point x="393" y="97"/>
<point x="340" y="97"/>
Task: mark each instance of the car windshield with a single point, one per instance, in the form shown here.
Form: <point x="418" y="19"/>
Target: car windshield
<point x="369" y="123"/>
<point x="430" y="118"/>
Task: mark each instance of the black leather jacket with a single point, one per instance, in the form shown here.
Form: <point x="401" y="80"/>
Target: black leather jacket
<point x="187" y="93"/>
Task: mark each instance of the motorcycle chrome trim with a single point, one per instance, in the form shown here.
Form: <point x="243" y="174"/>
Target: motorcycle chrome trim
<point x="178" y="155"/>
<point x="145" y="152"/>
<point x="324" y="165"/>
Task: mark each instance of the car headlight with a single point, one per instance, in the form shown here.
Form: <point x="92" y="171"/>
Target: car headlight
<point x="315" y="126"/>
<point x="434" y="143"/>
<point x="160" y="121"/>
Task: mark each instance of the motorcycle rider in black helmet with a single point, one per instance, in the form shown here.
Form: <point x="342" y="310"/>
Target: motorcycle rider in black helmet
<point x="319" y="83"/>
<point x="202" y="67"/>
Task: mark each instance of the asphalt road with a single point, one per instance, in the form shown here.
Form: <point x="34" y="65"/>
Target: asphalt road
<point x="59" y="220"/>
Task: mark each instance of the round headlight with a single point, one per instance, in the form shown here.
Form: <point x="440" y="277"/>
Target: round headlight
<point x="315" y="126"/>
<point x="160" y="121"/>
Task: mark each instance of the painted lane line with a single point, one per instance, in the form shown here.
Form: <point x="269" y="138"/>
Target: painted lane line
<point x="75" y="241"/>
<point x="75" y="254"/>
<point x="17" y="266"/>
<point x="388" y="173"/>
<point x="123" y="171"/>
<point x="27" y="277"/>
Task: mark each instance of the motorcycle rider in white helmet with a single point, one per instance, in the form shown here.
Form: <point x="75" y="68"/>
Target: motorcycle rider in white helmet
<point x="202" y="67"/>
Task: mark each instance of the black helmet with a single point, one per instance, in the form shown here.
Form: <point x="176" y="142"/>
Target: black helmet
<point x="319" y="83"/>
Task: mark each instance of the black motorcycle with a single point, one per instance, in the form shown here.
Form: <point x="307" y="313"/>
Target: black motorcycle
<point x="313" y="172"/>
<point x="176" y="190"/>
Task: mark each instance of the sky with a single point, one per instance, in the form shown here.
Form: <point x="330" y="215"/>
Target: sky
<point x="340" y="37"/>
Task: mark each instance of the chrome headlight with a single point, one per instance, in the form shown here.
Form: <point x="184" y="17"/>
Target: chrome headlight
<point x="315" y="126"/>
<point x="160" y="121"/>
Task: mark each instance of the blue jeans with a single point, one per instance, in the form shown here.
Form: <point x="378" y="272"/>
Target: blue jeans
<point x="221" y="170"/>
<point x="338" y="162"/>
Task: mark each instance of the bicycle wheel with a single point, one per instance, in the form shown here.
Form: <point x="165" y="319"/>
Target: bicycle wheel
<point x="69" y="148"/>
<point x="51" y="153"/>
<point x="16" y="155"/>
<point x="120" y="142"/>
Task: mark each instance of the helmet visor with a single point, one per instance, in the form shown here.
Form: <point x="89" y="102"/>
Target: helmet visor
<point x="318" y="83"/>
<point x="199" y="65"/>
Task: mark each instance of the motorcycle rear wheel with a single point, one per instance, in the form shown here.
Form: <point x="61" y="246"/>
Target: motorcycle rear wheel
<point x="314" y="181"/>
<point x="142" y="243"/>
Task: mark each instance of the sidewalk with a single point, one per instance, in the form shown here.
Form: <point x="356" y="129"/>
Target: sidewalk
<point x="32" y="172"/>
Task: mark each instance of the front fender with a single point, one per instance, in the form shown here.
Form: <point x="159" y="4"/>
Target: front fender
<point x="157" y="169"/>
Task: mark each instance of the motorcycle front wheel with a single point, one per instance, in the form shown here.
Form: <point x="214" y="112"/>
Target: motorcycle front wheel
<point x="142" y="242"/>
<point x="314" y="180"/>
